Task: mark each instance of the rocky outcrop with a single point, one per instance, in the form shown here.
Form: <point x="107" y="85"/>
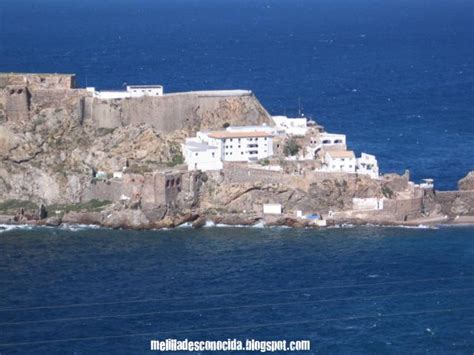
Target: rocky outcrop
<point x="60" y="146"/>
<point x="467" y="182"/>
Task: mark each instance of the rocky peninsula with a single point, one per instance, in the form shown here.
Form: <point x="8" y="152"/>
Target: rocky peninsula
<point x="117" y="159"/>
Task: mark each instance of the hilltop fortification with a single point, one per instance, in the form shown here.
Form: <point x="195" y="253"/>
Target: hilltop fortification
<point x="115" y="159"/>
<point x="24" y="96"/>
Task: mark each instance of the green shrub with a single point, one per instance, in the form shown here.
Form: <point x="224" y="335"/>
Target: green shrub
<point x="387" y="191"/>
<point x="177" y="157"/>
<point x="291" y="147"/>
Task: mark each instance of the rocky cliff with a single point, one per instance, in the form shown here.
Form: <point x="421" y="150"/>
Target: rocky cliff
<point x="54" y="137"/>
<point x="118" y="163"/>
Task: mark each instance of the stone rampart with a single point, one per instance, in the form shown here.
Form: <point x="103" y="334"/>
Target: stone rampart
<point x="38" y="81"/>
<point x="184" y="111"/>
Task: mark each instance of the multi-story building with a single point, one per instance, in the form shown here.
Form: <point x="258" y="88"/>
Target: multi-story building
<point x="235" y="144"/>
<point x="343" y="161"/>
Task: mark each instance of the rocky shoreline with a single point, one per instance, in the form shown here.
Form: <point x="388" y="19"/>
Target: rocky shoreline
<point x="69" y="156"/>
<point x="196" y="221"/>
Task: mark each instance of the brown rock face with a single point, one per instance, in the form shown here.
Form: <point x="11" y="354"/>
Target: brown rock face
<point x="467" y="182"/>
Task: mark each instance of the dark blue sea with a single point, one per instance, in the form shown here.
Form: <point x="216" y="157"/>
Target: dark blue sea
<point x="349" y="290"/>
<point x="397" y="76"/>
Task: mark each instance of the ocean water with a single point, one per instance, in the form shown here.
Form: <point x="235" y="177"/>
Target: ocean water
<point x="348" y="290"/>
<point x="397" y="76"/>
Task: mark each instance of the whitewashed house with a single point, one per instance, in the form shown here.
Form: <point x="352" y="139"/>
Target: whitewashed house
<point x="291" y="126"/>
<point x="367" y="165"/>
<point x="344" y="161"/>
<point x="332" y="140"/>
<point x="339" y="161"/>
<point x="201" y="156"/>
<point x="328" y="141"/>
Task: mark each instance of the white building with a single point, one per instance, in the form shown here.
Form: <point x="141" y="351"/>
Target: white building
<point x="291" y="126"/>
<point x="328" y="141"/>
<point x="332" y="140"/>
<point x="209" y="149"/>
<point x="367" y="165"/>
<point x="201" y="156"/>
<point x="344" y="161"/>
<point x="131" y="91"/>
<point x="145" y="90"/>
<point x="240" y="145"/>
<point x="340" y="161"/>
<point x="272" y="208"/>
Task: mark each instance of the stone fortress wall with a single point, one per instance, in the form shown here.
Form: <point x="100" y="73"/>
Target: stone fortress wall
<point x="24" y="95"/>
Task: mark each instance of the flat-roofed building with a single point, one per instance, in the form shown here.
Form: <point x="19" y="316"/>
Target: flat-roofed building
<point x="291" y="126"/>
<point x="239" y="144"/>
<point x="367" y="165"/>
<point x="332" y="140"/>
<point x="201" y="156"/>
<point x="132" y="91"/>
<point x="341" y="161"/>
<point x="345" y="161"/>
<point x="145" y="90"/>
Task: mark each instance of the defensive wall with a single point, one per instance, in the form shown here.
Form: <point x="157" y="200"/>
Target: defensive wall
<point x="190" y="111"/>
<point x="23" y="96"/>
<point x="151" y="189"/>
